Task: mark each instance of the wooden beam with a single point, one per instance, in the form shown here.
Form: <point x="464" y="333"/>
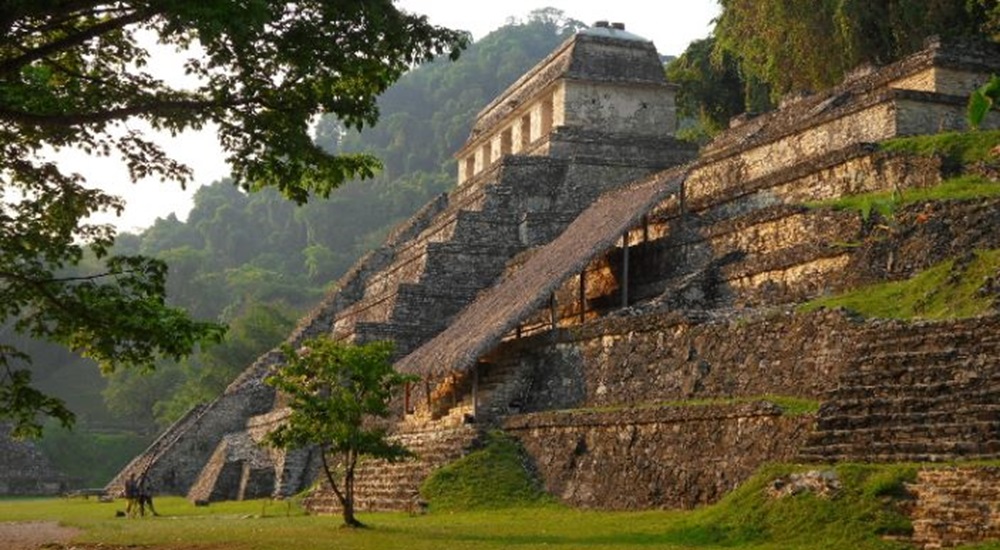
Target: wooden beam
<point x="624" y="283"/>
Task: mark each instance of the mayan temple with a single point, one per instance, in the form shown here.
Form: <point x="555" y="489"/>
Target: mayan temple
<point x="588" y="269"/>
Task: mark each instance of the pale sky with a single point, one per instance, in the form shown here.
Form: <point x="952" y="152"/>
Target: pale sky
<point x="671" y="25"/>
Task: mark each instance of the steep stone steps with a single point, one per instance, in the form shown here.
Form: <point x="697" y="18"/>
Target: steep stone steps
<point x="915" y="396"/>
<point x="384" y="486"/>
<point x="920" y="391"/>
<point x="466" y="264"/>
<point x="889" y="338"/>
<point x="902" y="422"/>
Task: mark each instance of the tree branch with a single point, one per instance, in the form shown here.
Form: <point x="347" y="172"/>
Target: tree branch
<point x="29" y="56"/>
<point x="97" y="117"/>
<point x="12" y="275"/>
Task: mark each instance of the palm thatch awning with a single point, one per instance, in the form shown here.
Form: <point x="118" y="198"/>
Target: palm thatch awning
<point x="499" y="309"/>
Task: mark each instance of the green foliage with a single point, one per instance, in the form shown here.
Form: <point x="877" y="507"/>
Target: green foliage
<point x="711" y="90"/>
<point x="982" y="101"/>
<point x="496" y="476"/>
<point x="336" y="393"/>
<point x="90" y="458"/>
<point x="806" y="46"/>
<point x="948" y="290"/>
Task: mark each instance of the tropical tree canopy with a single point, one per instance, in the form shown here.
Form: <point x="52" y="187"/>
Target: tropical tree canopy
<point x="76" y="74"/>
<point x="807" y="46"/>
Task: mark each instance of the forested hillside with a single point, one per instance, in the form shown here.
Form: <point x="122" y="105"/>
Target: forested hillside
<point x="257" y="261"/>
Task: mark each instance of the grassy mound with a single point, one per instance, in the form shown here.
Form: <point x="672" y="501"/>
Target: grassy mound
<point x="953" y="289"/>
<point x="495" y="476"/>
<point x="865" y="512"/>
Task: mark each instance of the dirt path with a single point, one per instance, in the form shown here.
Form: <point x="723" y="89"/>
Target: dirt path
<point x="34" y="534"/>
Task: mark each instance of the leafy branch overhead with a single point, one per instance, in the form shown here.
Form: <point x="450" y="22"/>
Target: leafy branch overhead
<point x="72" y="71"/>
<point x="78" y="75"/>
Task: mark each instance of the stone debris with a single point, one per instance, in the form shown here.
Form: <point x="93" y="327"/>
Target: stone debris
<point x="822" y="483"/>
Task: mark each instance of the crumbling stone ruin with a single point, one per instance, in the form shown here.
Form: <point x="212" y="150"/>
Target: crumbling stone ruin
<point x="24" y="470"/>
<point x="590" y="274"/>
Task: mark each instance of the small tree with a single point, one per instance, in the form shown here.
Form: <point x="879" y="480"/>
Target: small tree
<point x="336" y="393"/>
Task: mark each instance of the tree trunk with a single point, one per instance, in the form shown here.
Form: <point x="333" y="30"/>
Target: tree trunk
<point x="348" y="501"/>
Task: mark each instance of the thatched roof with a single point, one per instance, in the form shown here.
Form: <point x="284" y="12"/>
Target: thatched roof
<point x="497" y="310"/>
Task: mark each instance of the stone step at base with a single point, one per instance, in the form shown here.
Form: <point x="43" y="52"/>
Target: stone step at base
<point x="981" y="390"/>
<point x="877" y="430"/>
<point x="985" y="416"/>
<point x="900" y="451"/>
<point x="384" y="486"/>
<point x="809" y="457"/>
<point x="917" y="338"/>
<point x="951" y="374"/>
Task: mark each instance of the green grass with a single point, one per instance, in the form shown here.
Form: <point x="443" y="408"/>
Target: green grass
<point x="949" y="290"/>
<point x="856" y="518"/>
<point x="959" y="148"/>
<point x="493" y="477"/>
<point x="886" y="203"/>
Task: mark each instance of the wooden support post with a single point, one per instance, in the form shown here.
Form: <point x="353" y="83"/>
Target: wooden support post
<point x="683" y="225"/>
<point x="625" y="270"/>
<point x="553" y="319"/>
<point x="475" y="391"/>
<point x="583" y="296"/>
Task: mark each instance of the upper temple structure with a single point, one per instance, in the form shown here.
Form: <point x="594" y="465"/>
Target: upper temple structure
<point x="589" y="274"/>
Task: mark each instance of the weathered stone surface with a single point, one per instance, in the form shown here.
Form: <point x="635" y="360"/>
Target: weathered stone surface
<point x="24" y="470"/>
<point x="655" y="457"/>
<point x="956" y="506"/>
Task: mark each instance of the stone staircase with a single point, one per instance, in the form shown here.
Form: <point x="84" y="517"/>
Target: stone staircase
<point x="431" y="278"/>
<point x="385" y="486"/>
<point x="450" y="430"/>
<point x="922" y="393"/>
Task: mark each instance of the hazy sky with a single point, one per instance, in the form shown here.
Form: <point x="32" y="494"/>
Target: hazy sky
<point x="670" y="24"/>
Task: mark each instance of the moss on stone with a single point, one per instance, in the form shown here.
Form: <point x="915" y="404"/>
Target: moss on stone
<point x="886" y="203"/>
<point x="954" y="289"/>
<point x="959" y="148"/>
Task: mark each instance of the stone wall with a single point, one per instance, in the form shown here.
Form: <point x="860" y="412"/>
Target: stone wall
<point x="956" y="506"/>
<point x="655" y="457"/>
<point x="24" y="470"/>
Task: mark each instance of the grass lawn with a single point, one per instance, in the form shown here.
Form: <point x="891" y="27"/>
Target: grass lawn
<point x="242" y="526"/>
<point x="857" y="518"/>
